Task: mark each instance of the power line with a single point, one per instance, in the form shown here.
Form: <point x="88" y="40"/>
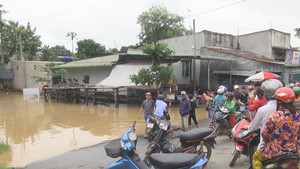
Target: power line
<point x="222" y="7"/>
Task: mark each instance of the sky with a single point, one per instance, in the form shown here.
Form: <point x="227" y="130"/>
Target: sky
<point x="113" y="23"/>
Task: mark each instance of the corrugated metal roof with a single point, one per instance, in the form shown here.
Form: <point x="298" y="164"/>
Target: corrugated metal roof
<point x="92" y="62"/>
<point x="246" y="55"/>
<point x="83" y="64"/>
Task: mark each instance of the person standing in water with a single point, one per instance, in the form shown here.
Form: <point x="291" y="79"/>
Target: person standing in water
<point x="148" y="107"/>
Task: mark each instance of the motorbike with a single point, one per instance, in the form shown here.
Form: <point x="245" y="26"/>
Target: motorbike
<point x="126" y="149"/>
<point x="221" y="122"/>
<point x="199" y="140"/>
<point x="153" y="126"/>
<point x="289" y="160"/>
<point x="244" y="142"/>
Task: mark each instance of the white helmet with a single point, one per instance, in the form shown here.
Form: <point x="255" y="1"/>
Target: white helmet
<point x="236" y="87"/>
<point x="269" y="87"/>
<point x="220" y="91"/>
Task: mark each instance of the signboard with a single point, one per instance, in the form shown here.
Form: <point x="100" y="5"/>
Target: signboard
<point x="292" y="57"/>
<point x="31" y="94"/>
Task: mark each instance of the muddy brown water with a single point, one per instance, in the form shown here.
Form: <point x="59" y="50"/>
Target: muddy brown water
<point x="40" y="130"/>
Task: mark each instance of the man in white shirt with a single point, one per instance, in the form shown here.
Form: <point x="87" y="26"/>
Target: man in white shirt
<point x="269" y="87"/>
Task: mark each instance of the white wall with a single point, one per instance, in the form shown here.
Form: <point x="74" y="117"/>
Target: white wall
<point x="23" y="75"/>
<point x="96" y="74"/>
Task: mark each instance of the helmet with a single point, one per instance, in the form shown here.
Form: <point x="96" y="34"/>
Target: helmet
<point x="220" y="91"/>
<point x="296" y="89"/>
<point x="250" y="88"/>
<point x="292" y="85"/>
<point x="285" y="94"/>
<point x="236" y="86"/>
<point x="297" y="84"/>
<point x="269" y="87"/>
<point x="224" y="88"/>
<point x="167" y="147"/>
<point x="229" y="95"/>
<point x="160" y="97"/>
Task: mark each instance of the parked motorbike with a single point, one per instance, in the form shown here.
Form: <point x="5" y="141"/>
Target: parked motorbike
<point x="126" y="149"/>
<point x="153" y="126"/>
<point x="200" y="141"/>
<point x="285" y="161"/>
<point x="244" y="142"/>
<point x="221" y="122"/>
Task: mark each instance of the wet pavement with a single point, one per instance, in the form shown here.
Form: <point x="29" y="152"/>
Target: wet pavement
<point x="94" y="157"/>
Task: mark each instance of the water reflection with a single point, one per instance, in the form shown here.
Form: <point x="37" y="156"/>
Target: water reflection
<point x="39" y="130"/>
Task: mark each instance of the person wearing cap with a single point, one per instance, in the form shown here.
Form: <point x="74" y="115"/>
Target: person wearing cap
<point x="147" y="106"/>
<point x="236" y="94"/>
<point x="184" y="110"/>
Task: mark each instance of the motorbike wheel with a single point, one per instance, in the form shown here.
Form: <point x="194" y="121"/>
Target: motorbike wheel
<point x="206" y="150"/>
<point x="236" y="154"/>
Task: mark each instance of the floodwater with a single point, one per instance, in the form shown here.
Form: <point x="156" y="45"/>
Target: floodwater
<point x="37" y="130"/>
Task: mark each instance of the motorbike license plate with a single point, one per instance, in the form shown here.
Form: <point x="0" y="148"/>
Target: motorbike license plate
<point x="150" y="125"/>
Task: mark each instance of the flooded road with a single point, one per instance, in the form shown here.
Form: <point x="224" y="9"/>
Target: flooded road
<point x="39" y="130"/>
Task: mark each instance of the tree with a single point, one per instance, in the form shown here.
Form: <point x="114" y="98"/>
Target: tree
<point x="297" y="32"/>
<point x="156" y="74"/>
<point x="47" y="54"/>
<point x="15" y="36"/>
<point x="88" y="48"/>
<point x="158" y="23"/>
<point x="73" y="36"/>
<point x="157" y="52"/>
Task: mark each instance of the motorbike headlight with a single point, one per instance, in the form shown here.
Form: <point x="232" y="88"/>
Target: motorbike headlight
<point x="163" y="126"/>
<point x="132" y="136"/>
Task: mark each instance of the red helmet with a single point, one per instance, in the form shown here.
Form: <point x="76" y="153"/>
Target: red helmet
<point x="297" y="84"/>
<point x="250" y="88"/>
<point x="285" y="94"/>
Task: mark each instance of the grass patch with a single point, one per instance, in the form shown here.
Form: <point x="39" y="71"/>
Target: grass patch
<point x="4" y="148"/>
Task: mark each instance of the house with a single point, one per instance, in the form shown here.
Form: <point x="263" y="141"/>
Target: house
<point x="223" y="59"/>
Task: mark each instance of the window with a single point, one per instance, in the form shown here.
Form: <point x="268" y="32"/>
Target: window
<point x="186" y="69"/>
<point x="86" y="79"/>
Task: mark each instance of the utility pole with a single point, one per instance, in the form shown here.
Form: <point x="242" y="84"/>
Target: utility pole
<point x="23" y="61"/>
<point x="1" y="38"/>
<point x="194" y="60"/>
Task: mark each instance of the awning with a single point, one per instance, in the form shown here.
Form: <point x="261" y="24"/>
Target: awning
<point x="120" y="75"/>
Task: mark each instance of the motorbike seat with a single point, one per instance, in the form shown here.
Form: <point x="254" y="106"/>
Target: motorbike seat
<point x="195" y="134"/>
<point x="171" y="161"/>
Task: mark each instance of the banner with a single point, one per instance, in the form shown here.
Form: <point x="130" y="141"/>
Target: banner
<point x="292" y="57"/>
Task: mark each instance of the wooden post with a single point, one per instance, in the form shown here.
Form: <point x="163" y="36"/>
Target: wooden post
<point x="116" y="96"/>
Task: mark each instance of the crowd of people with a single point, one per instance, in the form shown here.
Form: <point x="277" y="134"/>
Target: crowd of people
<point x="277" y="114"/>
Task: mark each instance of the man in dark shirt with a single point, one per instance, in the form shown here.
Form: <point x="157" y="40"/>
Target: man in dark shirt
<point x="184" y="110"/>
<point x="192" y="112"/>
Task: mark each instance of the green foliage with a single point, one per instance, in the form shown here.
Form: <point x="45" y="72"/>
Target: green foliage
<point x="4" y="147"/>
<point x="297" y="32"/>
<point x="158" y="23"/>
<point x="14" y="35"/>
<point x="157" y="52"/>
<point x="47" y="54"/>
<point x="88" y="48"/>
<point x="157" y="73"/>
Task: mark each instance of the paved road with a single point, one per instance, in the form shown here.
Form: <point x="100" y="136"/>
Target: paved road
<point x="94" y="157"/>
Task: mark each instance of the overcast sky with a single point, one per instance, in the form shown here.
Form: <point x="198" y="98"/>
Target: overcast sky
<point x="113" y="23"/>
